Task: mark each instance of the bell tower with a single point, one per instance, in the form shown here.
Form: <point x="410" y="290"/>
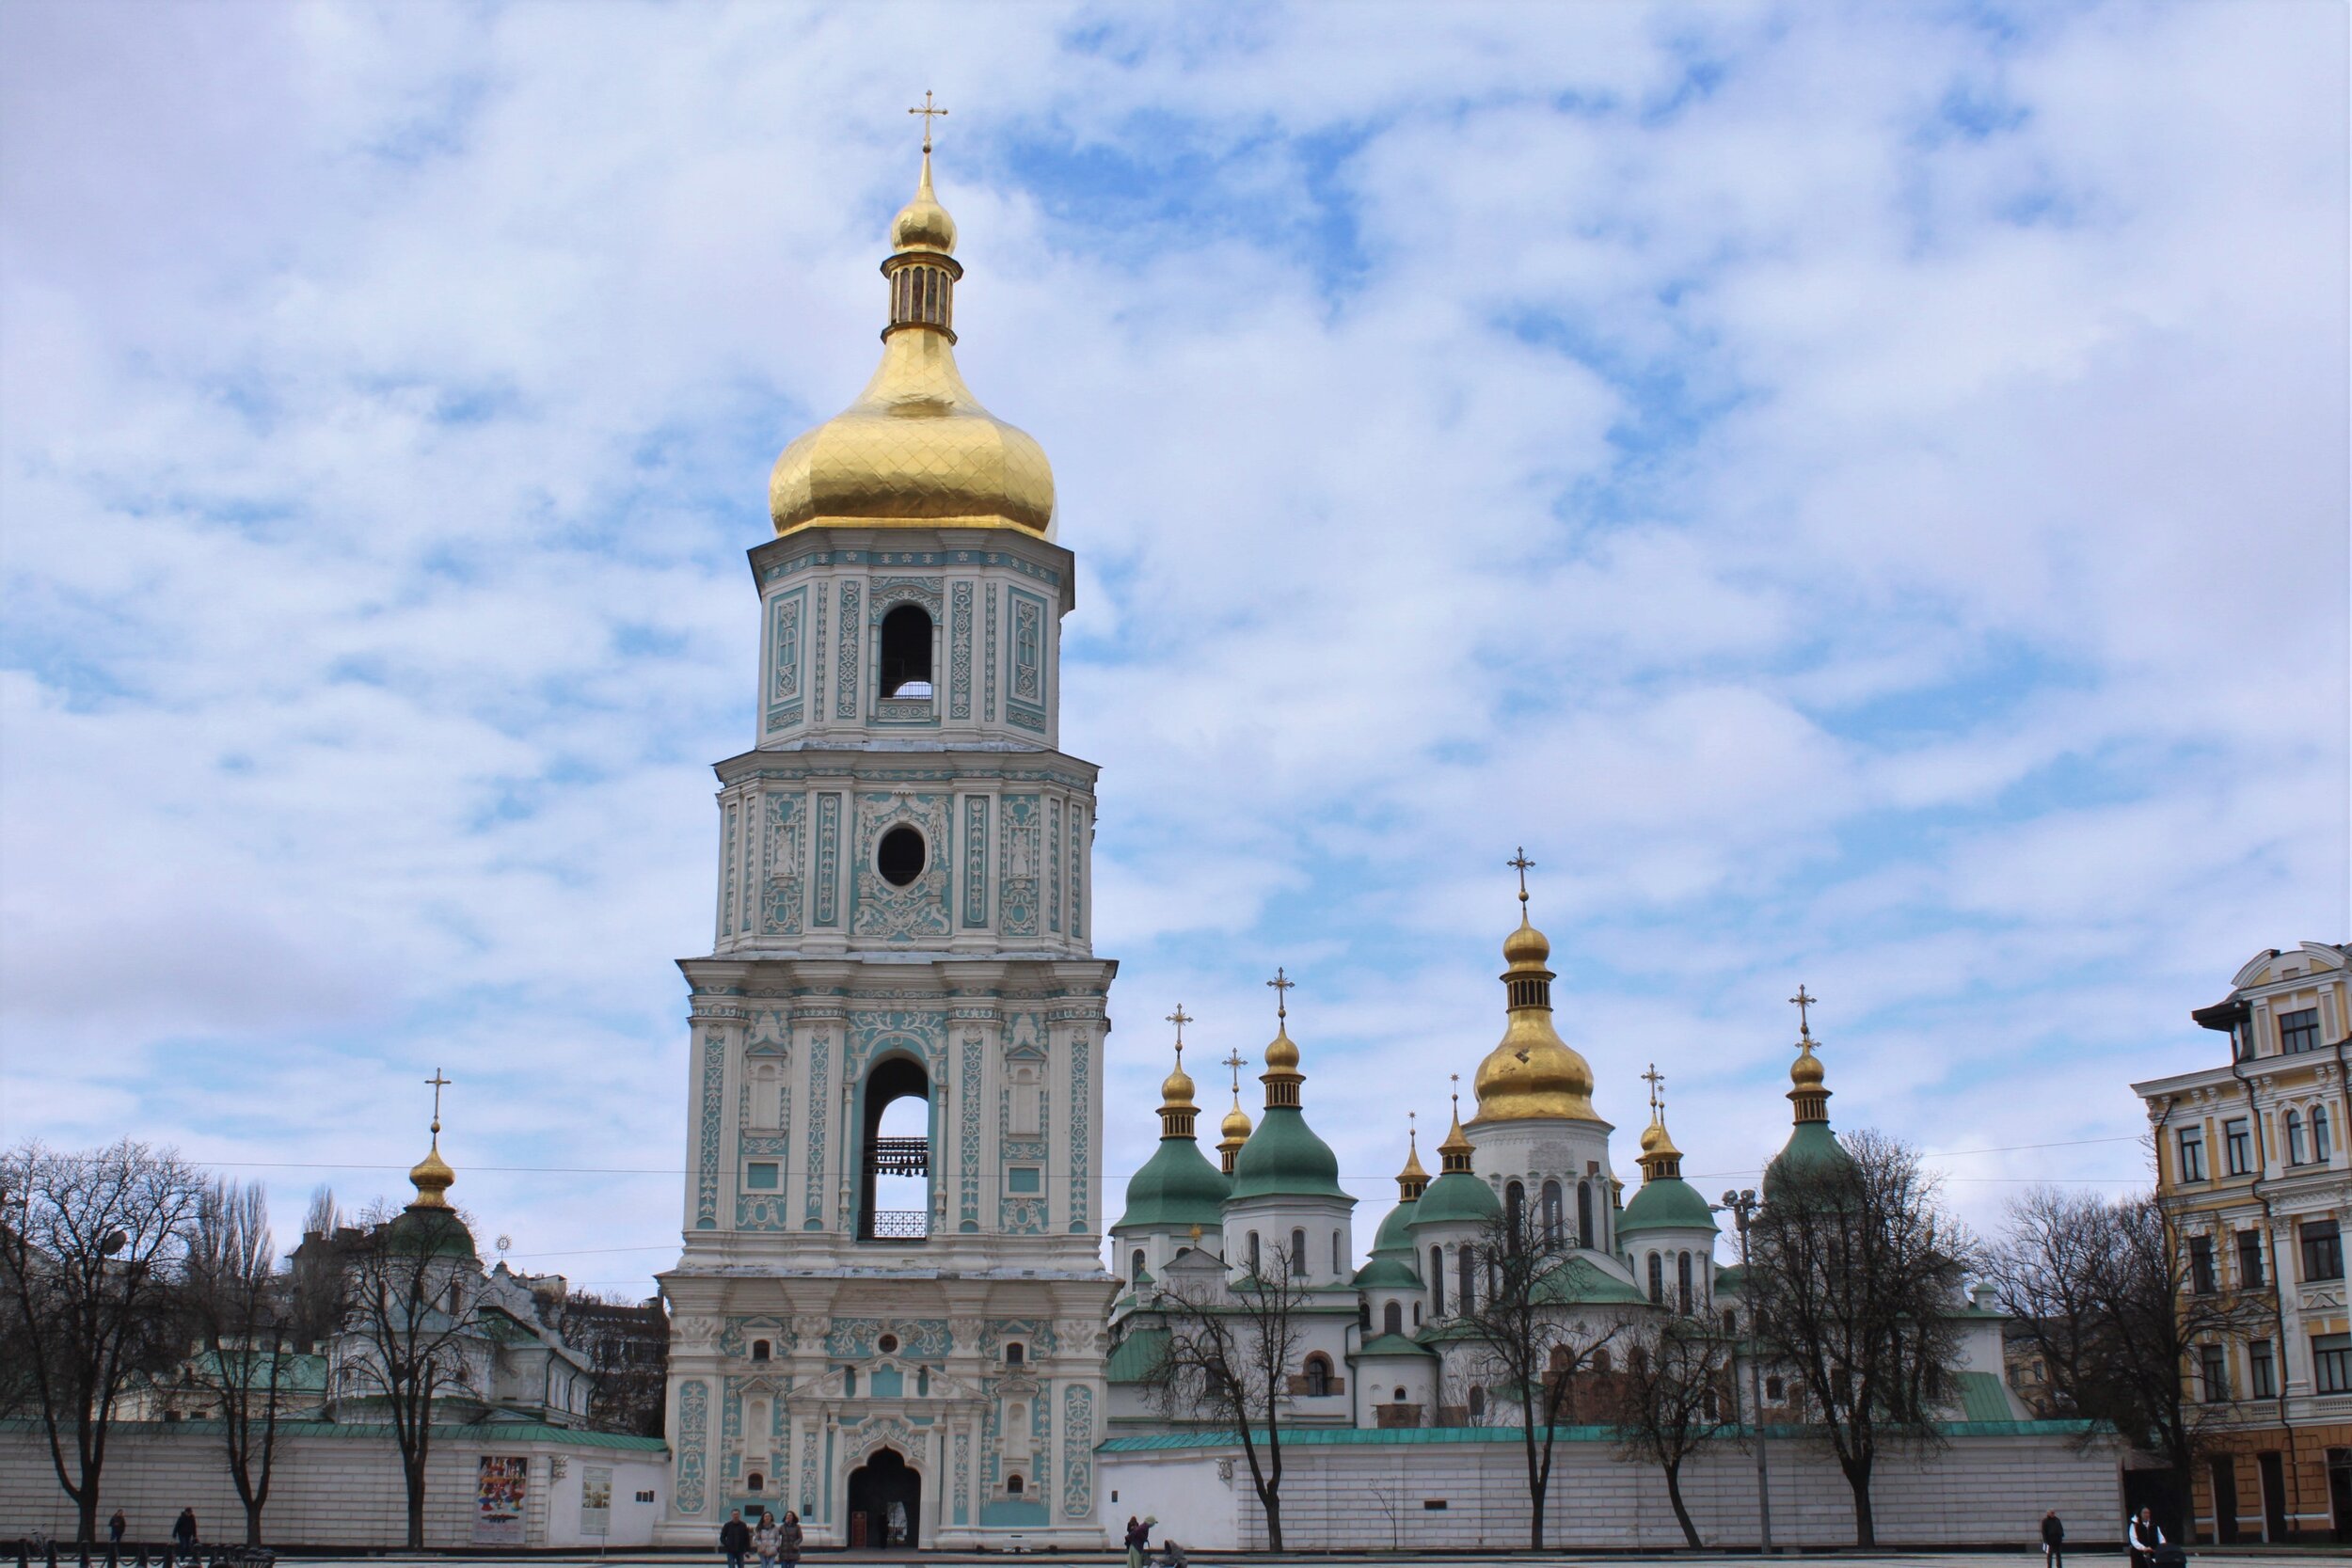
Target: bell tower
<point x="887" y="1316"/>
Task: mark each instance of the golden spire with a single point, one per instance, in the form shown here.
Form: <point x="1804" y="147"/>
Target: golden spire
<point x="1281" y="1077"/>
<point x="1177" y="1111"/>
<point x="1412" y="1181"/>
<point x="432" y="1175"/>
<point x="1455" y="1153"/>
<point x="1532" y="1074"/>
<point x="1659" y="1158"/>
<point x="1235" y="1127"/>
<point x="1805" y="1074"/>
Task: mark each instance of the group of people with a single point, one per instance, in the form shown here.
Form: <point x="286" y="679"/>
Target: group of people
<point x="183" y="1544"/>
<point x="775" y="1543"/>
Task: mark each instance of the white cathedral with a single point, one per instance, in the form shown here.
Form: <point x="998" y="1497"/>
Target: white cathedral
<point x="891" y="1314"/>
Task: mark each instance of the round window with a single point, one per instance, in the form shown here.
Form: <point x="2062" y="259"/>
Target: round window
<point x="900" y="856"/>
<point x="887" y="1344"/>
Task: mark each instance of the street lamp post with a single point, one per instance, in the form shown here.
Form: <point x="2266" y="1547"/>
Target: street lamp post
<point x="1741" y="1206"/>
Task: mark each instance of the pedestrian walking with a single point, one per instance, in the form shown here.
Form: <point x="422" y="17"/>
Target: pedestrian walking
<point x="183" y="1537"/>
<point x="768" y="1540"/>
<point x="789" y="1546"/>
<point x="735" y="1539"/>
<point x="2053" y="1541"/>
<point x="2145" y="1538"/>
<point x="1138" y="1539"/>
<point x="115" y="1526"/>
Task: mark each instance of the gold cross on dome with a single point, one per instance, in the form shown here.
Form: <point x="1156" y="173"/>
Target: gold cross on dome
<point x="1236" y="1061"/>
<point x="1657" y="1081"/>
<point x="1284" y="985"/>
<point x="929" y="113"/>
<point x="1180" y="1018"/>
<point x="1803" y="1001"/>
<point x="439" y="1083"/>
<point x="1521" y="864"/>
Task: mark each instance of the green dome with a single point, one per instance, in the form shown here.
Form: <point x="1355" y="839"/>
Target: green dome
<point x="1811" y="1146"/>
<point x="1457" y="1196"/>
<point x="428" y="1231"/>
<point x="1177" y="1186"/>
<point x="1386" y="1273"/>
<point x="1666" y="1203"/>
<point x="1395" y="1234"/>
<point x="1284" y="1158"/>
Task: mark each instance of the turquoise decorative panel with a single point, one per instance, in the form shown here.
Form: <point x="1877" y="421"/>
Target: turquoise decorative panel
<point x="1028" y="649"/>
<point x="975" y="861"/>
<point x="968" y="1167"/>
<point x="1020" y="1214"/>
<point x="817" y="645"/>
<point x="693" y="1422"/>
<point x="828" y="860"/>
<point x="1053" y="864"/>
<point x="920" y="1338"/>
<point x="924" y="1034"/>
<point x="846" y="661"/>
<point x="963" y="1477"/>
<point x="727" y="872"/>
<point x="1019" y="851"/>
<point x="988" y="660"/>
<point x="787" y="613"/>
<point x="713" y="1095"/>
<point x="960" y="651"/>
<point x="813" y="1213"/>
<point x="780" y="865"/>
<point x="764" y="1210"/>
<point x="1078" y="1479"/>
<point x="1077" y="883"/>
<point x="920" y="908"/>
<point x="1079" y="1100"/>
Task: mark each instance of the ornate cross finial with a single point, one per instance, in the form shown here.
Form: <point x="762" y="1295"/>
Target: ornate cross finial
<point x="1411" y="1131"/>
<point x="1520" y="863"/>
<point x="1802" y="1002"/>
<point x="1236" y="1061"/>
<point x="439" y="1083"/>
<point x="1180" y="1018"/>
<point x="928" y="112"/>
<point x="1458" y="1096"/>
<point x="1656" y="1080"/>
<point x="1284" y="985"/>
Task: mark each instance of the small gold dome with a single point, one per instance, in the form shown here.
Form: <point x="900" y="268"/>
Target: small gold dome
<point x="1281" y="1053"/>
<point x="923" y="223"/>
<point x="1657" y="1142"/>
<point x="1806" y="1071"/>
<point x="1412" y="1163"/>
<point x="432" y="1177"/>
<point x="1176" y="1088"/>
<point x="1235" y="1127"/>
<point x="1526" y="945"/>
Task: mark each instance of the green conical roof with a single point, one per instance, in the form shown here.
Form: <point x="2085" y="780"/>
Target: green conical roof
<point x="1395" y="1236"/>
<point x="1811" y="1146"/>
<point x="1458" y="1195"/>
<point x="1177" y="1186"/>
<point x="1387" y="1273"/>
<point x="1667" y="1202"/>
<point x="428" y="1230"/>
<point x="1284" y="1158"/>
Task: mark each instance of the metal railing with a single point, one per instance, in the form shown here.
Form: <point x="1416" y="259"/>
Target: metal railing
<point x="899" y="1224"/>
<point x="900" y="1157"/>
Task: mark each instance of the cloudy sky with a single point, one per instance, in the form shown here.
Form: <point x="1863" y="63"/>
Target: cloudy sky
<point x="1859" y="491"/>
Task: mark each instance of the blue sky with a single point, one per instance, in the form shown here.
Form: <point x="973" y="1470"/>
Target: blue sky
<point x="1859" y="491"/>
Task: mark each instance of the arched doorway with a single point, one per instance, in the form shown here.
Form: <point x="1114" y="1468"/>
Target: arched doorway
<point x="885" y="1502"/>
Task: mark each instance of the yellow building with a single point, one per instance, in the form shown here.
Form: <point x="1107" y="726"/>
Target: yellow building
<point x="2253" y="1173"/>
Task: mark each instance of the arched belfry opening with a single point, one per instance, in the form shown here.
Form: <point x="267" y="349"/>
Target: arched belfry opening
<point x="906" y="652"/>
<point x="885" y="1502"/>
<point x="894" y="1195"/>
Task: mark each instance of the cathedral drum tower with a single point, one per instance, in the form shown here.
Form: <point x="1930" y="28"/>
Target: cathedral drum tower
<point x="889" y="1311"/>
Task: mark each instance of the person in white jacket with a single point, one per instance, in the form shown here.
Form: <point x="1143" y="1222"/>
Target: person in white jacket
<point x="2143" y="1535"/>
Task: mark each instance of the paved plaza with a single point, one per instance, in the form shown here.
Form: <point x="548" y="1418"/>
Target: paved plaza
<point x="2232" y="1557"/>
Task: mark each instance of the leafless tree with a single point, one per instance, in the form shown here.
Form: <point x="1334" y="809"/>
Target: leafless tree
<point x="237" y="1304"/>
<point x="626" y="1346"/>
<point x="317" y="1271"/>
<point x="407" y="1328"/>
<point x="1232" y="1356"/>
<point x="1528" y="1339"/>
<point x="1673" y="1399"/>
<point x="1856" y="1271"/>
<point x="90" y="1246"/>
<point x="2116" y="1306"/>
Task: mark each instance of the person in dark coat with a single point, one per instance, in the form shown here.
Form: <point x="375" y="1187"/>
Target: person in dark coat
<point x="2145" y="1537"/>
<point x="2053" y="1541"/>
<point x="789" y="1546"/>
<point x="735" y="1539"/>
<point x="115" y="1526"/>
<point x="183" y="1532"/>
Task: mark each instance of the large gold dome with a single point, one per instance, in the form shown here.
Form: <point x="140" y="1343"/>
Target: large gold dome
<point x="1532" y="1074"/>
<point x="917" y="450"/>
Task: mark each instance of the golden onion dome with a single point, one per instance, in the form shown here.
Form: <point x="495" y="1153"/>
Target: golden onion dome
<point x="1281" y="1053"/>
<point x="1532" y="1074"/>
<point x="1176" y="1088"/>
<point x="1658" y="1143"/>
<point x="432" y="1176"/>
<point x="917" y="450"/>
<point x="1235" y="1127"/>
<point x="1412" y="1162"/>
<point x="1526" y="945"/>
<point x="1806" y="1071"/>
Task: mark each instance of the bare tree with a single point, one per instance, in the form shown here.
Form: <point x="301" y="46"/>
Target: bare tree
<point x="1232" y="1349"/>
<point x="236" y="1302"/>
<point x="317" y="1271"/>
<point x="407" y="1328"/>
<point x="1856" y="1271"/>
<point x="628" y="1349"/>
<point x="89" y="1244"/>
<point x="1530" y="1334"/>
<point x="1674" y="1397"/>
<point x="2116" y="1306"/>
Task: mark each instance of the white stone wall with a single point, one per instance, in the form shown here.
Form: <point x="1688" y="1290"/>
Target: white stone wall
<point x="324" y="1491"/>
<point x="1981" y="1491"/>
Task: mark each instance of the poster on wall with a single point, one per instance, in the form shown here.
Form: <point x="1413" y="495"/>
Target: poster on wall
<point x="499" y="1486"/>
<point x="596" y="1501"/>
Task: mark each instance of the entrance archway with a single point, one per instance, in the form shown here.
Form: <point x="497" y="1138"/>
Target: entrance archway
<point x="885" y="1502"/>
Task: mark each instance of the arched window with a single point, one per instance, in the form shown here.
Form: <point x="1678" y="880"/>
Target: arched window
<point x="1437" y="1282"/>
<point x="894" y="1178"/>
<point x="1558" y="1361"/>
<point x="1682" y="1283"/>
<point x="1514" y="1209"/>
<point x="2320" y="1150"/>
<point x="759" y="1350"/>
<point x="1601" y="1362"/>
<point x="1318" y="1375"/>
<point x="1253" y="1252"/>
<point x="1393" y="1318"/>
<point x="1466" y="1277"/>
<point x="922" y="1382"/>
<point x="849" y="1382"/>
<point x="1478" y="1405"/>
<point x="1338" y="1254"/>
<point x="2295" y="1138"/>
<point x="1584" y="1213"/>
<point x="1707" y="1405"/>
<point x="1775" y="1389"/>
<point x="1135" y="1269"/>
<point x="1657" y="1279"/>
<point x="1400" y="1396"/>
<point x="755" y="1482"/>
<point x="1555" y="1223"/>
<point x="1298" y="1252"/>
<point x="1013" y="1486"/>
<point x="1015" y="1353"/>
<point x="1416" y="1314"/>
<point x="1731" y="1321"/>
<point x="906" y="652"/>
<point x="1364" y="1315"/>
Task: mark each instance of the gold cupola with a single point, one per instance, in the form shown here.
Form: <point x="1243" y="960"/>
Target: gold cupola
<point x="1178" y="1113"/>
<point x="1807" y="1092"/>
<point x="1532" y="1074"/>
<point x="1412" y="1181"/>
<point x="1453" y="1155"/>
<point x="1281" y="1076"/>
<point x="917" y="450"/>
<point x="431" y="1176"/>
<point x="1660" y="1160"/>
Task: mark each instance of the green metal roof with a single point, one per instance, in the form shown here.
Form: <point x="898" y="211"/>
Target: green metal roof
<point x="1668" y="1203"/>
<point x="455" y="1432"/>
<point x="1386" y="1273"/>
<point x="1393" y="1344"/>
<point x="1284" y="1158"/>
<point x="1581" y="1281"/>
<point x="1456" y="1198"/>
<point x="428" y="1233"/>
<point x="1334" y="1438"/>
<point x="1394" y="1234"/>
<point x="1810" y="1143"/>
<point x="1983" y="1399"/>
<point x="1133" y="1359"/>
<point x="1177" y="1186"/>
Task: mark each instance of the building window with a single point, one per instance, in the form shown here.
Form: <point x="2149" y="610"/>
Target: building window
<point x="1255" y="1259"/>
<point x="849" y="1382"/>
<point x="1393" y="1318"/>
<point x="1514" y="1209"/>
<point x="899" y="857"/>
<point x="1022" y="1178"/>
<point x="1016" y="1355"/>
<point x="2200" y="1278"/>
<point x="1465" y="1278"/>
<point x="1339" y="1255"/>
<point x="1682" y="1283"/>
<point x="1657" y="1279"/>
<point x="2249" y="1258"/>
<point x="760" y="1175"/>
<point x="2331" y="1363"/>
<point x="2265" y="1378"/>
<point x="2192" y="1154"/>
<point x="1013" y="1486"/>
<point x="2298" y="1032"/>
<point x="2319" y="1134"/>
<point x="906" y="652"/>
<point x="755" y="1482"/>
<point x="1555" y="1216"/>
<point x="1135" y="1270"/>
<point x="2213" y="1366"/>
<point x="1585" y="1214"/>
<point x="2296" y="1153"/>
<point x="1416" y="1314"/>
<point x="1437" y="1282"/>
<point x="2237" y="1142"/>
<point x="1775" y="1391"/>
<point x="1299" y="1253"/>
<point x="2323" y="1250"/>
<point x="1478" y="1403"/>
<point x="759" y="1350"/>
<point x="1318" y="1375"/>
